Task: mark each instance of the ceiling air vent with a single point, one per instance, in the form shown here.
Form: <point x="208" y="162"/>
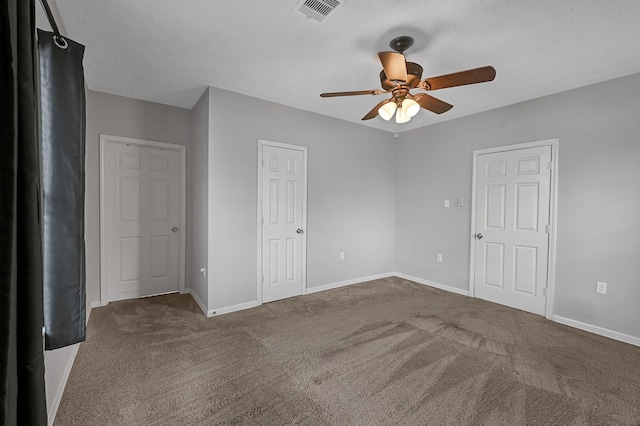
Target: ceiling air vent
<point x="318" y="11"/>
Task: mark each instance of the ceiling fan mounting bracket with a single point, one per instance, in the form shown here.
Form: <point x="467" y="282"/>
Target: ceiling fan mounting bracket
<point x="402" y="43"/>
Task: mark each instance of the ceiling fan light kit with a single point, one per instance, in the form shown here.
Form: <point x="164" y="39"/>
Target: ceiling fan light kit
<point x="387" y="110"/>
<point x="410" y="107"/>
<point x="407" y="109"/>
<point x="398" y="77"/>
<point x="402" y="117"/>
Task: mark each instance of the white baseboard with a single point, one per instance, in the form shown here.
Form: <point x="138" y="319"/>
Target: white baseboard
<point x="53" y="409"/>
<point x="255" y="303"/>
<point x="198" y="301"/>
<point x="626" y="338"/>
<point x="228" y="309"/>
<point x="220" y="311"/>
<point x="338" y="284"/>
<point x="94" y="304"/>
<point x="433" y="284"/>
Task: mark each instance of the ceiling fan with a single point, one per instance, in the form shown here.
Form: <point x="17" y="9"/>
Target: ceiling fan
<point x="398" y="77"/>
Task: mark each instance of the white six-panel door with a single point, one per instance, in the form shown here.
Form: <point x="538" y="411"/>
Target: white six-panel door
<point x="142" y="222"/>
<point x="283" y="217"/>
<point x="512" y="218"/>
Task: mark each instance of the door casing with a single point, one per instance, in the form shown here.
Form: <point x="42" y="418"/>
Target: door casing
<point x="181" y="149"/>
<point x="551" y="260"/>
<point x="262" y="143"/>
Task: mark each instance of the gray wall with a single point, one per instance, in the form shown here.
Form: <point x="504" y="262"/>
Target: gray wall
<point x="351" y="194"/>
<point x="198" y="240"/>
<point x="598" y="196"/>
<point x="380" y="200"/>
<point x="120" y="116"/>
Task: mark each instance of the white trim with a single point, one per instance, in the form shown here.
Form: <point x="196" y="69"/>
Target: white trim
<point x="104" y="140"/>
<point x="553" y="203"/>
<point x="324" y="287"/>
<point x="262" y="143"/>
<point x="220" y="311"/>
<point x="234" y="308"/>
<point x="94" y="304"/>
<point x="553" y="222"/>
<point x="422" y="281"/>
<point x="53" y="409"/>
<point x="130" y="296"/>
<point x="472" y="259"/>
<point x="198" y="301"/>
<point x="626" y="338"/>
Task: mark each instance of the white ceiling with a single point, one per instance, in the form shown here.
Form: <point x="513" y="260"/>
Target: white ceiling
<point x="168" y="51"/>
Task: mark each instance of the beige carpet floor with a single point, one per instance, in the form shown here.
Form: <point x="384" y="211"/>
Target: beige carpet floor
<point x="385" y="352"/>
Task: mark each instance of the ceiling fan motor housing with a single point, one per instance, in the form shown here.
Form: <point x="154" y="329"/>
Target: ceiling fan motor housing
<point x="414" y="74"/>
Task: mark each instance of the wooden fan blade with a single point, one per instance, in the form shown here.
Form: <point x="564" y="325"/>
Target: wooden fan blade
<point x="395" y="67"/>
<point x="431" y="103"/>
<point x="361" y="92"/>
<point x="476" y="75"/>
<point x="374" y="112"/>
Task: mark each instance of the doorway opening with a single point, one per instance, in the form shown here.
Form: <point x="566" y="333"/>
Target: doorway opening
<point x="142" y="218"/>
<point x="513" y="232"/>
<point x="282" y="220"/>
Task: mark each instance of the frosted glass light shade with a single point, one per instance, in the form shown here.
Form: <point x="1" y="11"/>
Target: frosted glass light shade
<point x="410" y="107"/>
<point x="401" y="116"/>
<point x="386" y="111"/>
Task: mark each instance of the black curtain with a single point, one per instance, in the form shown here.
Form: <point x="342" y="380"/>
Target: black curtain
<point x="62" y="105"/>
<point x="22" y="391"/>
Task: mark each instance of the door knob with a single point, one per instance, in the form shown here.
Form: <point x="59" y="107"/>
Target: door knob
<point x="174" y="229"/>
<point x="299" y="231"/>
<point x="479" y="236"/>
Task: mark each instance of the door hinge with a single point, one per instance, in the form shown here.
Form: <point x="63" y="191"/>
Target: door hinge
<point x="545" y="291"/>
<point x="548" y="229"/>
<point x="550" y="165"/>
<point x="263" y="162"/>
<point x="263" y="279"/>
<point x="263" y="221"/>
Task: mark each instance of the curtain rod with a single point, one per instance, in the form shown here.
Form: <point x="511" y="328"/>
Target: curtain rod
<point x="50" y="18"/>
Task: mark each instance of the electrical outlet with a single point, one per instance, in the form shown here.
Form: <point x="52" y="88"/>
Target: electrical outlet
<point x="460" y="201"/>
<point x="341" y="255"/>
<point x="203" y="271"/>
<point x="439" y="257"/>
<point x="601" y="287"/>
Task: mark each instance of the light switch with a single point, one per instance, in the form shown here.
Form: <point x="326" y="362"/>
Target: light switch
<point x="446" y="204"/>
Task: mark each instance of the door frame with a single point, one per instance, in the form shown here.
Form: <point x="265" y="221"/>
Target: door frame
<point x="260" y="163"/>
<point x="181" y="149"/>
<point x="553" y="202"/>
